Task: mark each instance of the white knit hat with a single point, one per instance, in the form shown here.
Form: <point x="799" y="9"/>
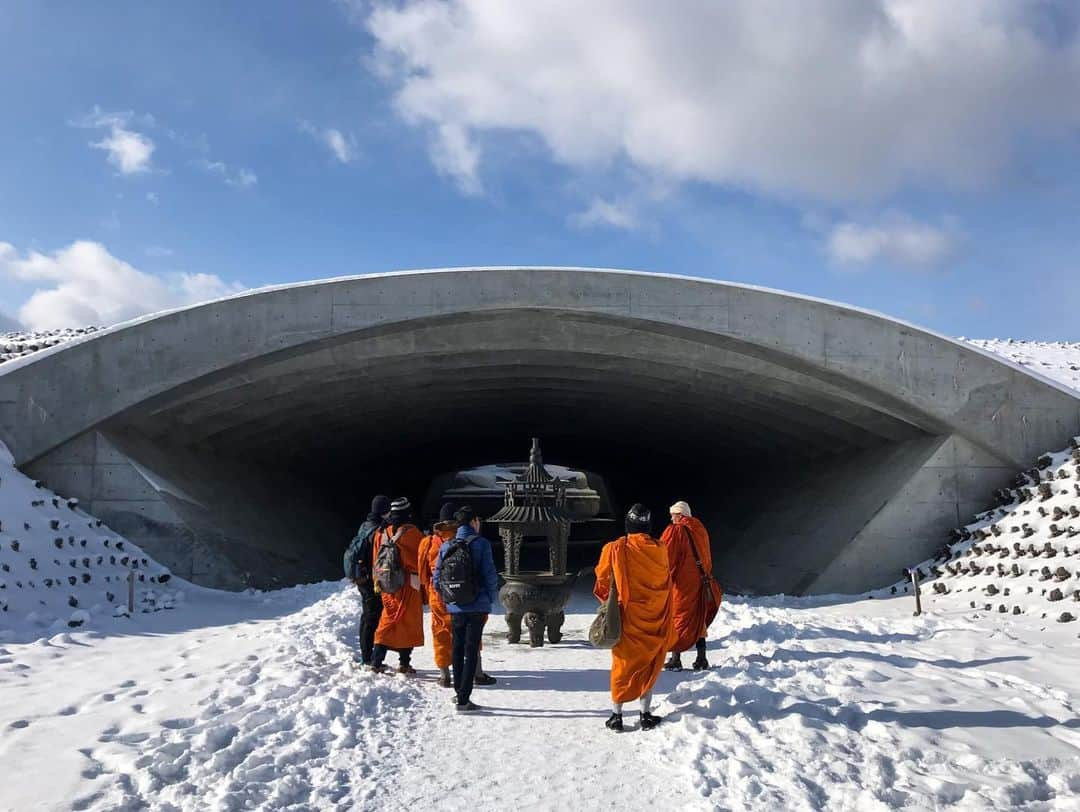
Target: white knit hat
<point x="680" y="507"/>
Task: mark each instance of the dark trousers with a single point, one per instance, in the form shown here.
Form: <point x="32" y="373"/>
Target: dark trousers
<point x="378" y="654"/>
<point x="370" y="612"/>
<point x="468" y="628"/>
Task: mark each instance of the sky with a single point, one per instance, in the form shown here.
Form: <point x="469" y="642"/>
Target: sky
<point x="914" y="157"/>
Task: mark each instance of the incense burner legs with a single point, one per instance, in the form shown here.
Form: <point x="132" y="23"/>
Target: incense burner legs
<point x="538" y="601"/>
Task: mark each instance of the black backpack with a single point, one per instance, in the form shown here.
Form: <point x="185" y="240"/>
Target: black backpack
<point x="458" y="582"/>
<point x="357" y="558"/>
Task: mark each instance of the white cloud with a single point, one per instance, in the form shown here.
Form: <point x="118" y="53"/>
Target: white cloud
<point x="342" y="146"/>
<point x="900" y="241"/>
<point x="84" y="284"/>
<point x="455" y="155"/>
<point x="829" y="100"/>
<point x="128" y="150"/>
<point x="614" y="214"/>
<point x="239" y="178"/>
<point x="152" y="197"/>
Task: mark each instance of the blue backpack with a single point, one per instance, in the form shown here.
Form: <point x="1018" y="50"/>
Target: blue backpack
<point x="357" y="558"/>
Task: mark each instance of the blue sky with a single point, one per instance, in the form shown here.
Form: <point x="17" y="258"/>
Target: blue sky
<point x="914" y="157"/>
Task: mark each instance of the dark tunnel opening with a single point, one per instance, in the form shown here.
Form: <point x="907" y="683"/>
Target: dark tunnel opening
<point x="286" y="451"/>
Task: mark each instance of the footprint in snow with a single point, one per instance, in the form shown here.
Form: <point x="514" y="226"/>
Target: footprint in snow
<point x="70" y="710"/>
<point x="250" y="678"/>
<point x="177" y="724"/>
<point x="128" y="683"/>
<point x="108" y="734"/>
<point x="108" y="697"/>
<point x="19" y="725"/>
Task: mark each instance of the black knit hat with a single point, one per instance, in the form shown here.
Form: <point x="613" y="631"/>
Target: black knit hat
<point x="464" y="514"/>
<point x="446" y="512"/>
<point x="400" y="507"/>
<point x="638" y="519"/>
<point x="380" y="505"/>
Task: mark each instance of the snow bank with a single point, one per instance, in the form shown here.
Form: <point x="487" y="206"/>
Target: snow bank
<point x="61" y="568"/>
<point x="1022" y="557"/>
<point x="861" y="706"/>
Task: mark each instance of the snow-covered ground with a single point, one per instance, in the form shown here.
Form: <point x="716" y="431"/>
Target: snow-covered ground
<point x="252" y="701"/>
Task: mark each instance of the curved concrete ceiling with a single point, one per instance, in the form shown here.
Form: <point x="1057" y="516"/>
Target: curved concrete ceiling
<point x="667" y="385"/>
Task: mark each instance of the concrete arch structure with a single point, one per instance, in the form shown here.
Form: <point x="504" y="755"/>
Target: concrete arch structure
<point x="240" y="440"/>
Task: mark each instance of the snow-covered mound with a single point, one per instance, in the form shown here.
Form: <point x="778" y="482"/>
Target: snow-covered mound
<point x="1057" y="360"/>
<point x="61" y="568"/>
<point x="1022" y="557"/>
<point x="18" y="344"/>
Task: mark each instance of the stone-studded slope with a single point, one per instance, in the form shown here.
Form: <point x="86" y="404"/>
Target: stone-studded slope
<point x="15" y="345"/>
<point x="60" y="567"/>
<point x="1022" y="557"/>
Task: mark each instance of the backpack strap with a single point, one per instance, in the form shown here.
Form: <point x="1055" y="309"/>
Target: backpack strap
<point x="706" y="577"/>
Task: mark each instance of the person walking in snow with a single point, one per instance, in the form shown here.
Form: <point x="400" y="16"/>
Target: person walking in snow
<point x="361" y="554"/>
<point x="465" y="576"/>
<point x="442" y="635"/>
<point x="695" y="592"/>
<point x="638" y="566"/>
<point x="401" y="627"/>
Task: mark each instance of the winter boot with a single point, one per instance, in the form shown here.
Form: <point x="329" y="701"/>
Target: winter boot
<point x="378" y="668"/>
<point x="484" y="679"/>
<point x="467" y="707"/>
<point x="701" y="664"/>
<point x="674" y="663"/>
<point x="648" y="721"/>
<point x="406" y="669"/>
<point x="614" y="722"/>
<point x="444" y="678"/>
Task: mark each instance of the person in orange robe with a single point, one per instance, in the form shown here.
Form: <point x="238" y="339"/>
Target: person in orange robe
<point x="442" y="635"/>
<point x="638" y="563"/>
<point x="442" y="632"/>
<point x="695" y="592"/>
<point x="401" y="627"/>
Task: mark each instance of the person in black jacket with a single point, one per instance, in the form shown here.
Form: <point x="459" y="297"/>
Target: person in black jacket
<point x="371" y="603"/>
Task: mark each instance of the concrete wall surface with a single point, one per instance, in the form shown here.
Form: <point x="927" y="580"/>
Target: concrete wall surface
<point x="190" y="427"/>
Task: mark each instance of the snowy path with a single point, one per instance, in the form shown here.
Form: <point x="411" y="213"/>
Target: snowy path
<point x="843" y="706"/>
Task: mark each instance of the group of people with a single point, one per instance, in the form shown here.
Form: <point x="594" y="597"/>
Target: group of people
<point x="394" y="620"/>
<point x="667" y="598"/>
<point x="666" y="594"/>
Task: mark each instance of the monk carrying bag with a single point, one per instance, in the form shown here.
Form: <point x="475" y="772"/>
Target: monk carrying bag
<point x="711" y="592"/>
<point x="606" y="629"/>
<point x="389" y="571"/>
<point x="458" y="583"/>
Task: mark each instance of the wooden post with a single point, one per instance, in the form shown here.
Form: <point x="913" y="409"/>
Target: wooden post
<point x="131" y="592"/>
<point x="918" y="597"/>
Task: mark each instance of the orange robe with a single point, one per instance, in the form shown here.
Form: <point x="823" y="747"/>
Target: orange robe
<point x="639" y="566"/>
<point x="442" y="635"/>
<point x="402" y="622"/>
<point x="696" y="603"/>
